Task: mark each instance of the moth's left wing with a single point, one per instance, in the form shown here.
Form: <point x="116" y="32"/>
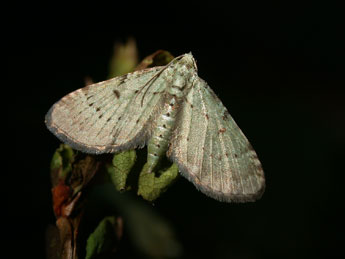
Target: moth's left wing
<point x="109" y="116"/>
<point x="211" y="150"/>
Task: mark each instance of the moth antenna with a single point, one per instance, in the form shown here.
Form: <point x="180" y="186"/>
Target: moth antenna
<point x="151" y="81"/>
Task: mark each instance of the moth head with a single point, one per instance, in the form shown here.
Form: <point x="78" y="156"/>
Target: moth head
<point x="187" y="60"/>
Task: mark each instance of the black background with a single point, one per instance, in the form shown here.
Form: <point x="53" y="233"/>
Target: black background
<point x="278" y="68"/>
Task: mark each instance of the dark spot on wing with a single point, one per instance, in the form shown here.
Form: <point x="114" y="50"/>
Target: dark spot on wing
<point x="187" y="139"/>
<point x="98" y="109"/>
<point x="122" y="79"/>
<point x="168" y="114"/>
<point x="225" y="115"/>
<point x="222" y="130"/>
<point x="116" y="93"/>
<point x="87" y="98"/>
<point x="136" y="91"/>
<point x="226" y="154"/>
<point x="108" y="119"/>
<point x="90" y="104"/>
<point x="164" y="126"/>
<point x="100" y="116"/>
<point x="158" y="145"/>
<point x="235" y="155"/>
<point x="137" y="121"/>
<point x="206" y="115"/>
<point x="119" y="118"/>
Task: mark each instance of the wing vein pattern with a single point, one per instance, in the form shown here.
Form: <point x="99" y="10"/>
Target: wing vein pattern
<point x="223" y="164"/>
<point x="104" y="117"/>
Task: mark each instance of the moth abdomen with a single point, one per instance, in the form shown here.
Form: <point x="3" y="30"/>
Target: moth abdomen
<point x="158" y="143"/>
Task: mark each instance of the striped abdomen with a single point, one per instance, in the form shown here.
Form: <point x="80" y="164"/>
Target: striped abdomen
<point x="158" y="143"/>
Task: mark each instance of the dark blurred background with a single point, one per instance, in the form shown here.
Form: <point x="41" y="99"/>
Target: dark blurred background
<point x="278" y="68"/>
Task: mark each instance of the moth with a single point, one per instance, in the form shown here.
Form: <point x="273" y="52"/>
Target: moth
<point x="175" y="113"/>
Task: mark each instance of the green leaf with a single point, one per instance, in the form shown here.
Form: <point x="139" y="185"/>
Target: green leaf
<point x="61" y="163"/>
<point x="83" y="171"/>
<point x="103" y="239"/>
<point x="149" y="232"/>
<point x="63" y="156"/>
<point x="151" y="186"/>
<point x="121" y="166"/>
<point x="56" y="162"/>
<point x="158" y="58"/>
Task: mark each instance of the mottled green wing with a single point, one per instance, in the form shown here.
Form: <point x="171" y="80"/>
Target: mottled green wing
<point x="109" y="116"/>
<point x="212" y="152"/>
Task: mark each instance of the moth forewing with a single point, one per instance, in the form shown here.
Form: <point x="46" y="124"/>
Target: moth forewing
<point x="109" y="116"/>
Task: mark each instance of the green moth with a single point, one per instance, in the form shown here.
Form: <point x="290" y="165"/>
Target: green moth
<point x="175" y="113"/>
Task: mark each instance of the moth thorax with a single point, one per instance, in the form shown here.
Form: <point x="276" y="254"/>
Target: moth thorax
<point x="177" y="85"/>
<point x="179" y="80"/>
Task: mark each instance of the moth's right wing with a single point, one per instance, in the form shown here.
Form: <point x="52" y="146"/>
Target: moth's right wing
<point x="212" y="152"/>
<point x="109" y="116"/>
